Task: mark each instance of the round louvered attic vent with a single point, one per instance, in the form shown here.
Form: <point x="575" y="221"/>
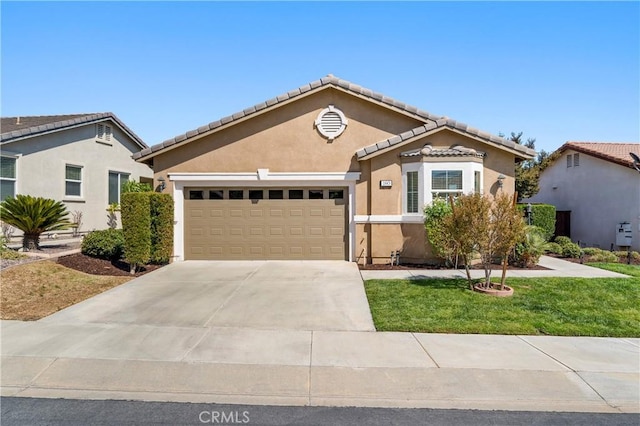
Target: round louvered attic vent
<point x="331" y="122"/>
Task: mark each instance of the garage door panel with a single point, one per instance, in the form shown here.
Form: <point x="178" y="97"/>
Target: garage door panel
<point x="265" y="229"/>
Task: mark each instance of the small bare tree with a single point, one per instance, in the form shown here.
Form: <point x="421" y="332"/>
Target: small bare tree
<point x="479" y="224"/>
<point x="76" y="222"/>
<point x="112" y="218"/>
<point x="7" y="231"/>
<point x="468" y="227"/>
<point x="508" y="227"/>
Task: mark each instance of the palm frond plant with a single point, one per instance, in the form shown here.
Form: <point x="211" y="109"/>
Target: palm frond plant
<point x="33" y="216"/>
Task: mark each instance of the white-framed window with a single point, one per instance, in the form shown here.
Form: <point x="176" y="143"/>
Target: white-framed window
<point x="73" y="180"/>
<point x="477" y="182"/>
<point x="116" y="180"/>
<point x="576" y="160"/>
<point x="103" y="132"/>
<point x="445" y="183"/>
<point x="8" y="176"/>
<point x="412" y="192"/>
<point x="569" y="160"/>
<point x="438" y="180"/>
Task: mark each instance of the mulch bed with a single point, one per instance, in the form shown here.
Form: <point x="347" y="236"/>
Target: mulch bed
<point x="94" y="266"/>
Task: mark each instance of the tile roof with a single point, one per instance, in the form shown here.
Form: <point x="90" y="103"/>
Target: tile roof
<point x="444" y="122"/>
<point x="611" y="151"/>
<point x="454" y="151"/>
<point x="330" y="80"/>
<point x="18" y="128"/>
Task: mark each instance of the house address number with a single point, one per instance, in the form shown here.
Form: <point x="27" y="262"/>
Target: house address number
<point x="386" y="184"/>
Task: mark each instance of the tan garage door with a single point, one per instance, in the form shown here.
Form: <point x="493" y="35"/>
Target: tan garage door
<point x="265" y="223"/>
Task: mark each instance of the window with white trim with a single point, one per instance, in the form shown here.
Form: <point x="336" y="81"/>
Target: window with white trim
<point x="7" y="177"/>
<point x="116" y="180"/>
<point x="103" y="132"/>
<point x="569" y="160"/>
<point x="413" y="193"/>
<point x="438" y="180"/>
<point x="445" y="183"/>
<point x="73" y="181"/>
<point x="576" y="160"/>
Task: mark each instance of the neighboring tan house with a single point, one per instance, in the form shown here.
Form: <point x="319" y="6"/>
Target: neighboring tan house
<point x="80" y="159"/>
<point x="330" y="170"/>
<point x="595" y="189"/>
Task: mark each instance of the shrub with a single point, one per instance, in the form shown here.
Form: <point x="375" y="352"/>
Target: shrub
<point x="136" y="224"/>
<point x="623" y="254"/>
<point x="569" y="248"/>
<point x="104" y="244"/>
<point x="133" y="186"/>
<point x="604" y="256"/>
<point x="554" y="248"/>
<point x="161" y="210"/>
<point x="590" y="251"/>
<point x="563" y="241"/>
<point x="543" y="216"/>
<point x="528" y="251"/>
<point x="6" y="253"/>
<point x="434" y="215"/>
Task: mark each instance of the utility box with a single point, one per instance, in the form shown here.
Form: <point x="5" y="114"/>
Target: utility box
<point x="623" y="234"/>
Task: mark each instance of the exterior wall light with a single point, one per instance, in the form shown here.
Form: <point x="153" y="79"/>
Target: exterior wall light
<point x="501" y="179"/>
<point x="162" y="184"/>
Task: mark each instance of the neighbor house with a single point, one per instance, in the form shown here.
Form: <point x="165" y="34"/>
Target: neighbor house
<point x="330" y="170"/>
<point x="80" y="159"/>
<point x="596" y="191"/>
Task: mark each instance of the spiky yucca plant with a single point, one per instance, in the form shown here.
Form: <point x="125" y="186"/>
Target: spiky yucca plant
<point x="33" y="216"/>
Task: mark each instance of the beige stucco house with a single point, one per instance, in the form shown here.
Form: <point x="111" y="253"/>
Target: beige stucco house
<point x="80" y="159"/>
<point x="596" y="191"/>
<point x="330" y="170"/>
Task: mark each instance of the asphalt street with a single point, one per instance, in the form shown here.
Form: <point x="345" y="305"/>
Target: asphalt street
<point x="36" y="411"/>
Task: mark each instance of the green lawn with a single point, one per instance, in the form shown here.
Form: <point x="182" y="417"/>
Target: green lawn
<point x="633" y="270"/>
<point x="553" y="306"/>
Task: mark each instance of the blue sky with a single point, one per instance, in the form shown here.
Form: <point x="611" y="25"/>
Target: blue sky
<point x="556" y="71"/>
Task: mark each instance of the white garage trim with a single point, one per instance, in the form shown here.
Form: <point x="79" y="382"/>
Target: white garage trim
<point x="383" y="218"/>
<point x="262" y="178"/>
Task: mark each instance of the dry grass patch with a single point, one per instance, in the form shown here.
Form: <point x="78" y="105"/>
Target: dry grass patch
<point x="35" y="290"/>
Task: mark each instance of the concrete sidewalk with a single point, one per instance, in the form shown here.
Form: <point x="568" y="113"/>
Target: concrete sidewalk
<point x="556" y="268"/>
<point x="322" y="368"/>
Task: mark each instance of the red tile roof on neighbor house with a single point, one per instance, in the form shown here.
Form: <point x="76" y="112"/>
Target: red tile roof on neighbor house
<point x="611" y="151"/>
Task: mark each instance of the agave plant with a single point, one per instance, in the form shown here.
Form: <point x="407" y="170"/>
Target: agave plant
<point x="33" y="216"/>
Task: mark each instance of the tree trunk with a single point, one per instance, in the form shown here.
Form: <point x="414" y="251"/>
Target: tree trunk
<point x="503" y="278"/>
<point x="132" y="268"/>
<point x="466" y="268"/>
<point x="31" y="241"/>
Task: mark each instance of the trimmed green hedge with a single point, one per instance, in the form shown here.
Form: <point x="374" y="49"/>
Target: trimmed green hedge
<point x="542" y="216"/>
<point x="136" y="223"/>
<point x="161" y="208"/>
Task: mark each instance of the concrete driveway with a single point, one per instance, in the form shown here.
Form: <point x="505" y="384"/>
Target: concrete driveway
<point x="288" y="295"/>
